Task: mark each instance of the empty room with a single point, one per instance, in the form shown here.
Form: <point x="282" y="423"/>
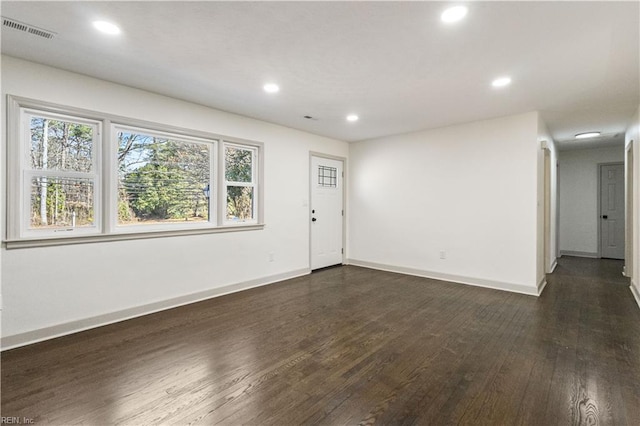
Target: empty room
<point x="295" y="213"/>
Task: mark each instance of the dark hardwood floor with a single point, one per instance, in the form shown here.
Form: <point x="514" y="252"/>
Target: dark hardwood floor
<point x="352" y="346"/>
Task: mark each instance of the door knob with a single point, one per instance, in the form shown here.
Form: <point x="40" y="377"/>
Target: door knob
<point x="604" y="216"/>
<point x="313" y="219"/>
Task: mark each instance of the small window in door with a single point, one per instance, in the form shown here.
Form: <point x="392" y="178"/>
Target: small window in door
<point x="327" y="176"/>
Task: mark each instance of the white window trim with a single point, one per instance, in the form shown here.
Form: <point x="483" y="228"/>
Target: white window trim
<point x="106" y="184"/>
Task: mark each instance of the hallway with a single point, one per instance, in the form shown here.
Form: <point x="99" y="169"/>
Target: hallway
<point x="593" y="349"/>
<point x="582" y="268"/>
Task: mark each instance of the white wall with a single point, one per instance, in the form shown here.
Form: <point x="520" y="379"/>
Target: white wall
<point x="633" y="137"/>
<point x="469" y="190"/>
<point x="578" y="176"/>
<point x="54" y="286"/>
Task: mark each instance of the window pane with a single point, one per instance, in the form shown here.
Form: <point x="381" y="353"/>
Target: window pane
<point x="327" y="176"/>
<point x="240" y="203"/>
<point x="61" y="202"/>
<point x="238" y="164"/>
<point x="61" y="145"/>
<point x="162" y="180"/>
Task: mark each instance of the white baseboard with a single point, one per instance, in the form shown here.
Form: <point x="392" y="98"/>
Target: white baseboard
<point x="478" y="282"/>
<point x="29" y="337"/>
<point x="553" y="265"/>
<point x="579" y="254"/>
<point x="635" y="292"/>
<point x="541" y="285"/>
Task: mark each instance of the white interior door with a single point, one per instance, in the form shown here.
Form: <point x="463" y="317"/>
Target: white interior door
<point x="612" y="211"/>
<point x="326" y="212"/>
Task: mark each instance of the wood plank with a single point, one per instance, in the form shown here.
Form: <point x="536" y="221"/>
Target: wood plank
<point x="351" y="345"/>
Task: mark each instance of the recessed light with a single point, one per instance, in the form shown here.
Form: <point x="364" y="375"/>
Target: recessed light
<point x="454" y="14"/>
<point x="106" y="27"/>
<point x="352" y="117"/>
<point x="271" y="88"/>
<point x="501" y="82"/>
<point x="587" y="135"/>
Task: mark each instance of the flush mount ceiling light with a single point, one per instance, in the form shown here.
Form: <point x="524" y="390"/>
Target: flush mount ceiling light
<point x="454" y="14"/>
<point x="587" y="135"/>
<point x="501" y="82"/>
<point x="352" y="117"/>
<point x="271" y="88"/>
<point x="106" y="27"/>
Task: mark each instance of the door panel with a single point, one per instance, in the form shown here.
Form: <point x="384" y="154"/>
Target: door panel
<point x="612" y="211"/>
<point x="326" y="212"/>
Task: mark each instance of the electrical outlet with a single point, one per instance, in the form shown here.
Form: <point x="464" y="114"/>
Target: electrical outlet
<point x="443" y="254"/>
<point x="272" y="257"/>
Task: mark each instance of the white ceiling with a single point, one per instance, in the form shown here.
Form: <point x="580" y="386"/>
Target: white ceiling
<point x="395" y="64"/>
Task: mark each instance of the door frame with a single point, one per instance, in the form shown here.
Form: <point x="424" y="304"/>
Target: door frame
<point x="556" y="213"/>
<point x="550" y="207"/>
<point x="599" y="213"/>
<point x="548" y="267"/>
<point x="628" y="222"/>
<point x="343" y="160"/>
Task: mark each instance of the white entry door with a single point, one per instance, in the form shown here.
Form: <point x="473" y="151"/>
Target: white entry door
<point x="612" y="211"/>
<point x="326" y="212"/>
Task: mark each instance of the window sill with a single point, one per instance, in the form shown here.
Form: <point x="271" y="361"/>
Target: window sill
<point x="103" y="238"/>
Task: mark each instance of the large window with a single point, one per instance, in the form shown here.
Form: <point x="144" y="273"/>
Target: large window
<point x="77" y="173"/>
<point x="163" y="179"/>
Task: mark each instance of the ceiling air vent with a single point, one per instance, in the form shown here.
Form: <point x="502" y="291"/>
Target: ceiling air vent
<point x="21" y="26"/>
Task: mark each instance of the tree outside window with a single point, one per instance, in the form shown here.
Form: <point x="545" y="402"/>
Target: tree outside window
<point x="161" y="180"/>
<point x="61" y="174"/>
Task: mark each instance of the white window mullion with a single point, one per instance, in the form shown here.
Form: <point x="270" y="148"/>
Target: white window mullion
<point x="213" y="185"/>
<point x="109" y="178"/>
<point x="98" y="190"/>
<point x="221" y="183"/>
<point x="229" y="183"/>
<point x="62" y="173"/>
<point x="254" y="180"/>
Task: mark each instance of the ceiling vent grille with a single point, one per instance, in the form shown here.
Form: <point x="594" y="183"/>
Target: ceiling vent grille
<point x="21" y="26"/>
